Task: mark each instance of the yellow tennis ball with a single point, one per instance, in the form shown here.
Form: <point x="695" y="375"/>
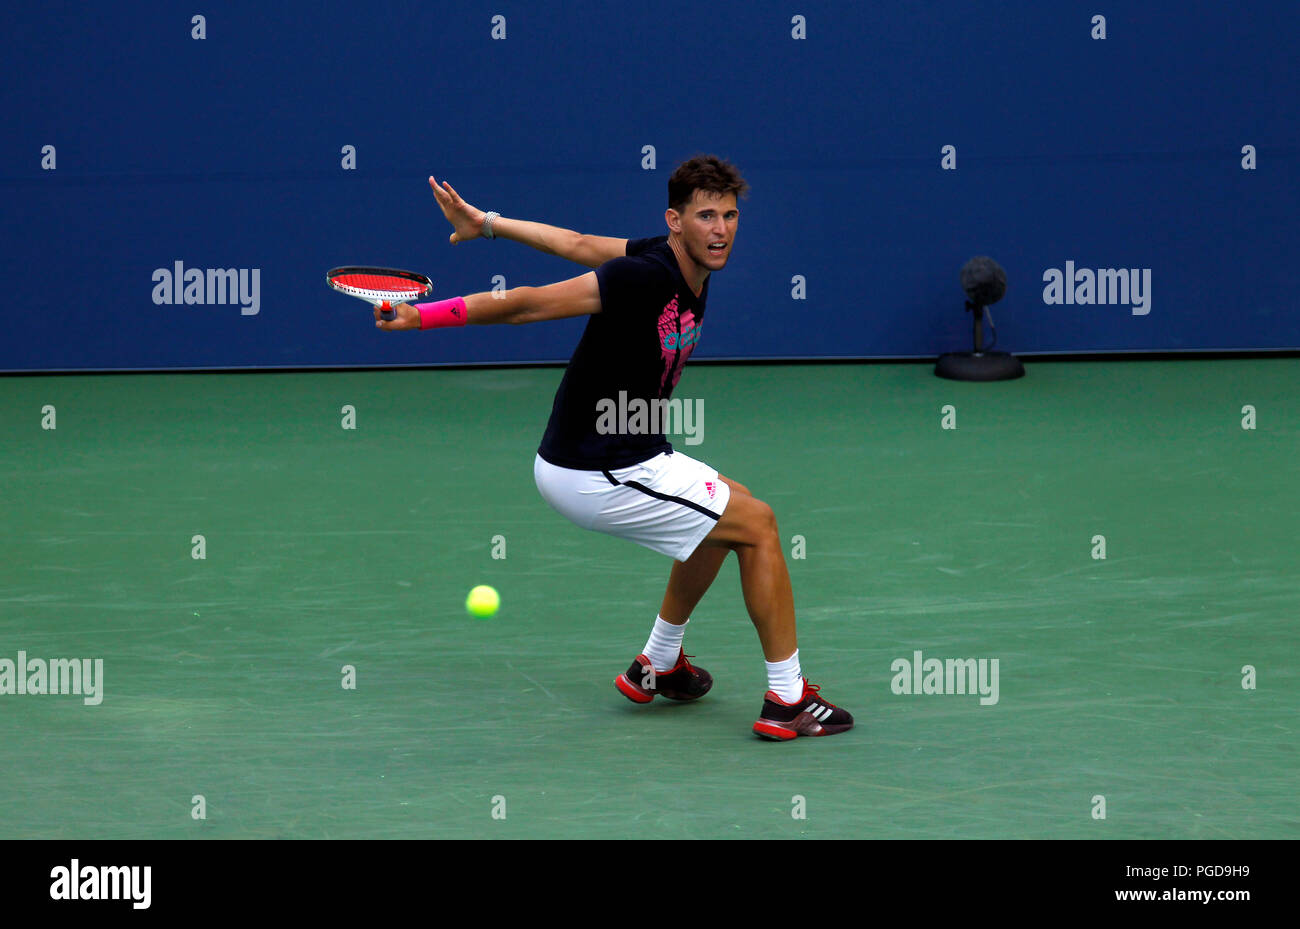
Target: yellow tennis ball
<point x="482" y="601"/>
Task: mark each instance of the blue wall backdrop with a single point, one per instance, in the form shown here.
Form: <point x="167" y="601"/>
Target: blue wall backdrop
<point x="885" y="145"/>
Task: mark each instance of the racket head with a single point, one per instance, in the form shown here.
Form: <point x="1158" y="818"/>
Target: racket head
<point x="379" y="286"/>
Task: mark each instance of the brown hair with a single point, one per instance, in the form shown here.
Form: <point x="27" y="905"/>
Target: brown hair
<point x="707" y="173"/>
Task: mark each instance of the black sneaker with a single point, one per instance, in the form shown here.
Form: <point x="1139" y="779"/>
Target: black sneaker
<point x="812" y="715"/>
<point x="642" y="683"/>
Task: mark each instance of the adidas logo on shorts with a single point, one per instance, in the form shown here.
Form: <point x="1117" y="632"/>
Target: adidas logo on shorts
<point x="711" y="488"/>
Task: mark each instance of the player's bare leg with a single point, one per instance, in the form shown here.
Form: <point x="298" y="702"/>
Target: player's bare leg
<point x="691" y="579"/>
<point x="748" y="527"/>
<point x="792" y="707"/>
<point x="662" y="668"/>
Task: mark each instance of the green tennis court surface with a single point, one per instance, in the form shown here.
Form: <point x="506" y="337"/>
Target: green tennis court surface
<point x="327" y="548"/>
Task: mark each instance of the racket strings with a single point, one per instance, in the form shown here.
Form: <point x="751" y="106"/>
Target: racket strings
<point x="379" y="283"/>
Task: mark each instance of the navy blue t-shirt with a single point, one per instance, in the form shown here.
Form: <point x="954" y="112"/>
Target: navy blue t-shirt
<point x="632" y="350"/>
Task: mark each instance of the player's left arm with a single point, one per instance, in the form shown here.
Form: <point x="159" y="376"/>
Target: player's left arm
<point x="578" y="296"/>
<point x="468" y="221"/>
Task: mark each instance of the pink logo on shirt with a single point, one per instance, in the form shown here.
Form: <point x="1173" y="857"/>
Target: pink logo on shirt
<point x="677" y="337"/>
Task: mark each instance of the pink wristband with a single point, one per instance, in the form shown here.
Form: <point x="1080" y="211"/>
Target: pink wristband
<point x="443" y="313"/>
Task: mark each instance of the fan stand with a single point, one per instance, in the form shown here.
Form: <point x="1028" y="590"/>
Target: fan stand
<point x="979" y="365"/>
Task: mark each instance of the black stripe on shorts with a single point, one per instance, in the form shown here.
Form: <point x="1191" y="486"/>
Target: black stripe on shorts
<point x="669" y="497"/>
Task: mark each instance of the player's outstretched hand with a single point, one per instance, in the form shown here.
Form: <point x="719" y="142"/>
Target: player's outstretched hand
<point x="408" y="317"/>
<point x="465" y="219"/>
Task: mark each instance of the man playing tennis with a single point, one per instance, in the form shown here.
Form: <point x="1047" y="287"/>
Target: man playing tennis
<point x="646" y="303"/>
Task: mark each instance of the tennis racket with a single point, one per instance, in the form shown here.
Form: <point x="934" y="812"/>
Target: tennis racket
<point x="381" y="287"/>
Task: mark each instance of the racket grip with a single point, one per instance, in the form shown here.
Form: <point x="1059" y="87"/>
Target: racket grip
<point x="387" y="313"/>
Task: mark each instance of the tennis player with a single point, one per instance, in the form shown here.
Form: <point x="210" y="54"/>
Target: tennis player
<point x="646" y="304"/>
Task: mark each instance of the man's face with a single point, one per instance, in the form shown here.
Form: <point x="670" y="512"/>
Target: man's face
<point x="707" y="226"/>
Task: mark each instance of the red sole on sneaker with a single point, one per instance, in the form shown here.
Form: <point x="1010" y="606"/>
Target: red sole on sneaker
<point x="783" y="733"/>
<point x="631" y="691"/>
<point x="774" y="732"/>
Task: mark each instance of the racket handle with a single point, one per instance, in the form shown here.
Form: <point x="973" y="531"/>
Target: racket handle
<point x="386" y="312"/>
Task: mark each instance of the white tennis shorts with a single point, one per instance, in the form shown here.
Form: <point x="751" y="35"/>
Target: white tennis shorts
<point x="667" y="503"/>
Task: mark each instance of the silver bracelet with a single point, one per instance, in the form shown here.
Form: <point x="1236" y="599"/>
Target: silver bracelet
<point x="487" y="224"/>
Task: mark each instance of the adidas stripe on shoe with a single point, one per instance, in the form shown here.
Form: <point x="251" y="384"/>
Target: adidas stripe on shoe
<point x="811" y="715"/>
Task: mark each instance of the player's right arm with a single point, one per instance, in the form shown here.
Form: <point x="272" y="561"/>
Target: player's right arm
<point x="578" y="296"/>
<point x="589" y="250"/>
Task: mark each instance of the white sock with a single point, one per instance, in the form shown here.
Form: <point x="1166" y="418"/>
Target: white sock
<point x="785" y="679"/>
<point x="664" y="644"/>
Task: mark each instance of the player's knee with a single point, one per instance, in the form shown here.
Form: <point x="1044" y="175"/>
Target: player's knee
<point x="763" y="521"/>
<point x="748" y="521"/>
